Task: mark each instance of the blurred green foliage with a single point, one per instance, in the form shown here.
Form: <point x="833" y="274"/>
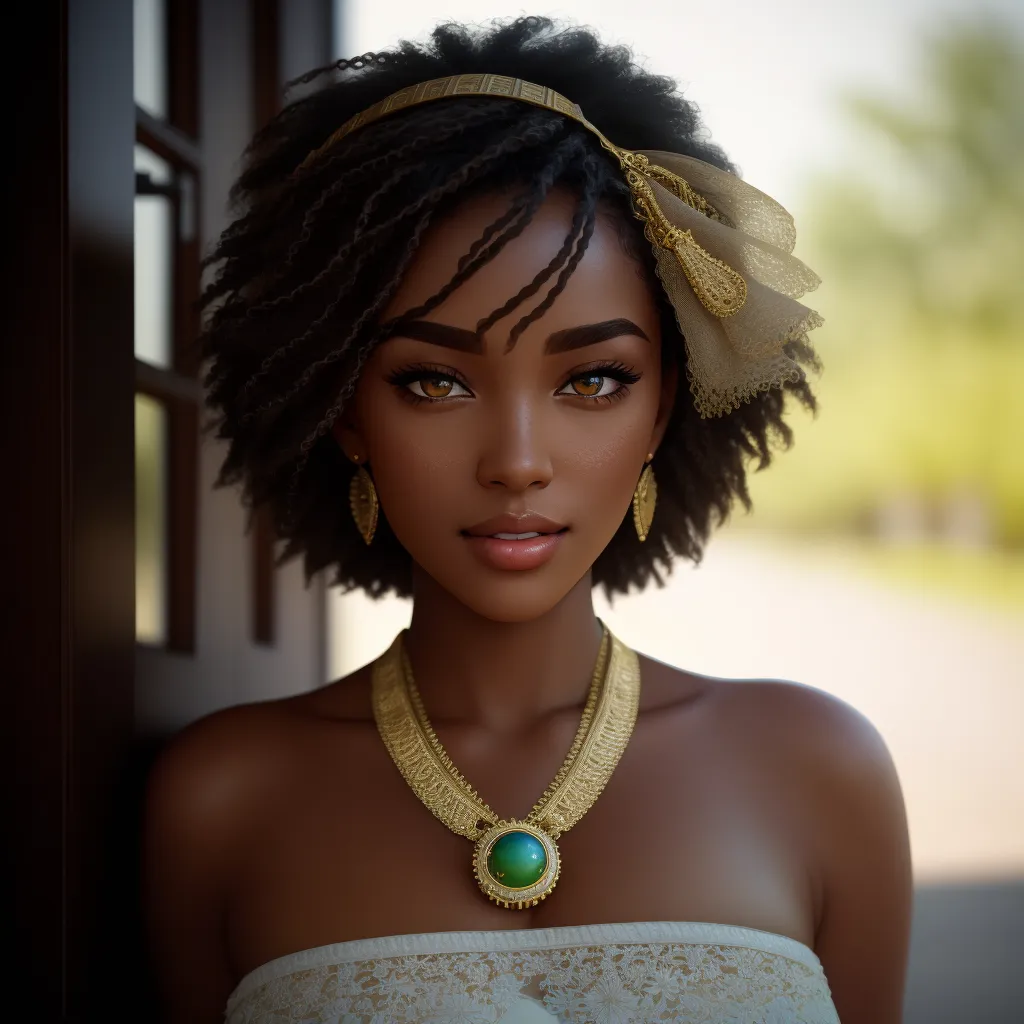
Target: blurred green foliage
<point x="921" y="245"/>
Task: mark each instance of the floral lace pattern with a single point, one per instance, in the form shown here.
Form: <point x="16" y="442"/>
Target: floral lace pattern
<point x="563" y="975"/>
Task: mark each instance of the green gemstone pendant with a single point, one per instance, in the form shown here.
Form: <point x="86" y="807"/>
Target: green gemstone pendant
<point x="516" y="864"/>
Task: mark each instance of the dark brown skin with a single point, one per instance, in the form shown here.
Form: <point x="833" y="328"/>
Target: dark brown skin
<point x="283" y="826"/>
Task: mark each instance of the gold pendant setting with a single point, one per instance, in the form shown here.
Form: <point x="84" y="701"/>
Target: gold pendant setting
<point x="516" y="864"/>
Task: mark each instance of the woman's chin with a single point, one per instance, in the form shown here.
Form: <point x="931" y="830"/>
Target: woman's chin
<point x="507" y="596"/>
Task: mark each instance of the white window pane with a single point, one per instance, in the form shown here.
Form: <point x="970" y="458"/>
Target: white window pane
<point x="154" y="268"/>
<point x="150" y="38"/>
<point x="150" y="520"/>
<point x="147" y="162"/>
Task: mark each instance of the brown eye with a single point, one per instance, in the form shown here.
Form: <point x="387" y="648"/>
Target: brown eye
<point x="587" y="387"/>
<point x="610" y="380"/>
<point x="437" y="388"/>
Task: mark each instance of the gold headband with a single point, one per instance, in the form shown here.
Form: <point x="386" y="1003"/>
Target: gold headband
<point x="738" y="350"/>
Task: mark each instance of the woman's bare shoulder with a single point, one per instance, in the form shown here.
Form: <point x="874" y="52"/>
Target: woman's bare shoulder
<point x="203" y="794"/>
<point x="808" y="721"/>
<point x="220" y="758"/>
<point x="817" y="753"/>
<point x="205" y="774"/>
<point x="838" y="779"/>
<point x="812" y="728"/>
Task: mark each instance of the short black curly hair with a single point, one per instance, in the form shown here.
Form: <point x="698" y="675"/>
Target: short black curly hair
<point x="305" y="271"/>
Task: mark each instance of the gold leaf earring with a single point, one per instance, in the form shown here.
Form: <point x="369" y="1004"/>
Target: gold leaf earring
<point x="645" y="497"/>
<point x="362" y="499"/>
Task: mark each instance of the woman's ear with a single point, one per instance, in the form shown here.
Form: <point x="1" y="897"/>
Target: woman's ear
<point x="349" y="438"/>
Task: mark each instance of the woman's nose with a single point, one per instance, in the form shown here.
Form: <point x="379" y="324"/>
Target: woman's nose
<point x="516" y="454"/>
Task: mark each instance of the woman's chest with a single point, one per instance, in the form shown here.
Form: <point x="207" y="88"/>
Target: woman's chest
<point x="682" y="832"/>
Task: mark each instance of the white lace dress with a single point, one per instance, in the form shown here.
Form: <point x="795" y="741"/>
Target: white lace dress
<point x="595" y="974"/>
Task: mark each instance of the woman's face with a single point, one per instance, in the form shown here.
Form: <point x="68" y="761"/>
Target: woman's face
<point x="505" y="473"/>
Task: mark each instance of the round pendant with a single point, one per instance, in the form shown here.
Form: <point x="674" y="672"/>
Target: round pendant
<point x="516" y="864"/>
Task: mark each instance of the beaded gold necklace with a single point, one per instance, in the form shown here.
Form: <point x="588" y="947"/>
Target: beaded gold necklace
<point x="516" y="863"/>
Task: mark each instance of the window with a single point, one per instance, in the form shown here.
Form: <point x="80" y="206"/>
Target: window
<point x="168" y="175"/>
<point x="168" y="394"/>
<point x="150" y="520"/>
<point x="150" y="46"/>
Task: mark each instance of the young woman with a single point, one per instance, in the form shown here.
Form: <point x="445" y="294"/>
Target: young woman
<point x="497" y="325"/>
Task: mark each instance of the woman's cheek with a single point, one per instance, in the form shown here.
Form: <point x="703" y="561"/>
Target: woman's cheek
<point x="608" y="459"/>
<point x="419" y="474"/>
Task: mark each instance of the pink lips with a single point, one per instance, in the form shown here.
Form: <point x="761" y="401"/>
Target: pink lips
<point x="500" y="542"/>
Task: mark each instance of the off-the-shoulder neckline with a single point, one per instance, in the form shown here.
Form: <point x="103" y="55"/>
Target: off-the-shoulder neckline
<point x="525" y="939"/>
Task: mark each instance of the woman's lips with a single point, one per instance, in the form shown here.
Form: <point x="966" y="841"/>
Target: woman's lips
<point x="528" y="552"/>
<point x="515" y="542"/>
<point x="515" y="522"/>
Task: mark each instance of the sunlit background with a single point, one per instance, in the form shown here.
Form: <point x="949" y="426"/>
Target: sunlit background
<point x="884" y="561"/>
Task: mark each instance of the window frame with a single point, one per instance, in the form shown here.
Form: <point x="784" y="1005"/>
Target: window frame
<point x="177" y="387"/>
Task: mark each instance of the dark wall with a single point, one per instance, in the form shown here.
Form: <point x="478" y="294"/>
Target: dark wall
<point x="67" y="425"/>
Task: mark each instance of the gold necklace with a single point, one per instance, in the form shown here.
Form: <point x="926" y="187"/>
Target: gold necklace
<point x="516" y="863"/>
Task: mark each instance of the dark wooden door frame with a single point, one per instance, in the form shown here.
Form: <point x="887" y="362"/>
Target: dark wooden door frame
<point x="69" y="559"/>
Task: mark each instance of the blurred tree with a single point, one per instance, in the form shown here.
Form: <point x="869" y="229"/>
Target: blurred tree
<point x="921" y="247"/>
<point x="941" y="227"/>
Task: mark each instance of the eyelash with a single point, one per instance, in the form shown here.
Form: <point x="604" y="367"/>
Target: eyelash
<point x="402" y="378"/>
<point x="613" y="370"/>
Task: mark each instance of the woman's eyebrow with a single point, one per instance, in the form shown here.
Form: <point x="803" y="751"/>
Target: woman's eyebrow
<point x="463" y="340"/>
<point x="591" y="334"/>
<point x="457" y="338"/>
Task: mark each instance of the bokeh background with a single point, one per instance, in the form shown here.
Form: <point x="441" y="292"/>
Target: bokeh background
<point x="884" y="558"/>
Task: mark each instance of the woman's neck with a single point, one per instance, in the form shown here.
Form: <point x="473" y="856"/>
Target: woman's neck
<point x="502" y="675"/>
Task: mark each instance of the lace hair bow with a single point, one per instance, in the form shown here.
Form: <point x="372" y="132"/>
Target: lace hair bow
<point x="723" y="249"/>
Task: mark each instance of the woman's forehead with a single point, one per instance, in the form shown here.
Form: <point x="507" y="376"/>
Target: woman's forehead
<point x="605" y="285"/>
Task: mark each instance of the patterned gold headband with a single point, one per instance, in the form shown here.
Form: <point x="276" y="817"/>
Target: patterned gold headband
<point x="738" y="350"/>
